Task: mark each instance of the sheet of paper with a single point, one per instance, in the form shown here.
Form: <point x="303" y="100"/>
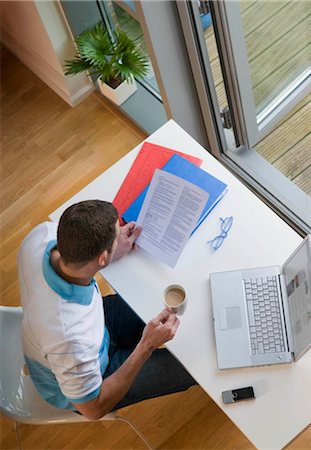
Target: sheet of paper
<point x="169" y="213"/>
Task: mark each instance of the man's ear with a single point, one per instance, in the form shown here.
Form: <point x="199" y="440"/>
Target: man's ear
<point x="102" y="258"/>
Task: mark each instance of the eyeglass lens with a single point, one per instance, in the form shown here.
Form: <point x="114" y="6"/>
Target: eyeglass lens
<point x="225" y="227"/>
<point x="226" y="223"/>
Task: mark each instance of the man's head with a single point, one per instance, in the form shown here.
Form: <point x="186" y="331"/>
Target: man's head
<point x="86" y="230"/>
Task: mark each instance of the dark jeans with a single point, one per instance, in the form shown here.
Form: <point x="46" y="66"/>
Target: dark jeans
<point x="160" y="375"/>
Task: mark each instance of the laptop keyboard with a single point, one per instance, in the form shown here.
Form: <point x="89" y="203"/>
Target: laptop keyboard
<point x="265" y="325"/>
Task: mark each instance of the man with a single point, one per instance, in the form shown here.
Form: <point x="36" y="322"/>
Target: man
<point x="85" y="353"/>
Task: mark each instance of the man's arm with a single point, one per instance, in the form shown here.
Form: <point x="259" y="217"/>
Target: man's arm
<point x="126" y="240"/>
<point x="158" y="331"/>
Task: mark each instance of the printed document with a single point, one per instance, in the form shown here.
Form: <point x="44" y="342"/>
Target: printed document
<point x="169" y="213"/>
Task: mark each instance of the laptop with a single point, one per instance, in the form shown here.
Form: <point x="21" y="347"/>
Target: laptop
<point x="263" y="315"/>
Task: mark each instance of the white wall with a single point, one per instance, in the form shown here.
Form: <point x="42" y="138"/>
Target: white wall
<point x="37" y="33"/>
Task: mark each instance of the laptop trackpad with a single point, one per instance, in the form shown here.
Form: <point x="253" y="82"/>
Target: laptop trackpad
<point x="230" y="318"/>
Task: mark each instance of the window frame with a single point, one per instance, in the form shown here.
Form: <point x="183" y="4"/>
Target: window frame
<point x="226" y="16"/>
<point x="290" y="202"/>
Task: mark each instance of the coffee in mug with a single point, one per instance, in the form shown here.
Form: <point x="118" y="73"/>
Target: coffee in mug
<point x="175" y="298"/>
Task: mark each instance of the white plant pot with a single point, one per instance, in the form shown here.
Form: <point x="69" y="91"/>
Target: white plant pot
<point x="120" y="94"/>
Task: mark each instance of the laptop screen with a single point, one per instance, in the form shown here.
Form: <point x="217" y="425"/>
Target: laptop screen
<point x="297" y="274"/>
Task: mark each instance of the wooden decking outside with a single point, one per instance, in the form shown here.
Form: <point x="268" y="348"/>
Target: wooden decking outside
<point x="278" y="37"/>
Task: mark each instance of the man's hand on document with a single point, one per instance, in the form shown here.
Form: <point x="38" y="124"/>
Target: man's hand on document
<point x="126" y="240"/>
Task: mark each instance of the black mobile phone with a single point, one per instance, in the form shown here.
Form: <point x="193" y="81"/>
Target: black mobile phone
<point x="236" y="395"/>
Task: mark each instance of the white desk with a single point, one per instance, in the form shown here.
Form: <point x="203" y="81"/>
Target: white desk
<point x="282" y="407"/>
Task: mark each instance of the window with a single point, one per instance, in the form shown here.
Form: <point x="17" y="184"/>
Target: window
<point x="145" y="106"/>
<point x="256" y="57"/>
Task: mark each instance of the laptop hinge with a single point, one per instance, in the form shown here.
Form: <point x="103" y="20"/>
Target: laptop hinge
<point x="284" y="305"/>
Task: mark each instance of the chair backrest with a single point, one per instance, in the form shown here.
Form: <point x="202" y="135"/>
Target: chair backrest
<point x="19" y="399"/>
<point x="11" y="357"/>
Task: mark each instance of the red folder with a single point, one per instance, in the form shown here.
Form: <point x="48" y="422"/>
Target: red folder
<point x="149" y="158"/>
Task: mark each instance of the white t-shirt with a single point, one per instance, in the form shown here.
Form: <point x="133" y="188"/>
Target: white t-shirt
<point x="65" y="340"/>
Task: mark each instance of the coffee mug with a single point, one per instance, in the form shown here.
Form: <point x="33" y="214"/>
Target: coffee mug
<point x="175" y="298"/>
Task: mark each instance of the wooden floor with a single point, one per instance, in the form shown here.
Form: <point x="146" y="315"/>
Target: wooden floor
<point x="49" y="152"/>
<point x="278" y="36"/>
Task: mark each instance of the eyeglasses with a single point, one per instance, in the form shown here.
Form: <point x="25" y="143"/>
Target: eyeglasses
<point x="226" y="224"/>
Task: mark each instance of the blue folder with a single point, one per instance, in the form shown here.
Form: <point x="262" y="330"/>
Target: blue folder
<point x="184" y="169"/>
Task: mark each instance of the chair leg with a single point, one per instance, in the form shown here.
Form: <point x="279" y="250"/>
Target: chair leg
<point x="134" y="428"/>
<point x="18" y="438"/>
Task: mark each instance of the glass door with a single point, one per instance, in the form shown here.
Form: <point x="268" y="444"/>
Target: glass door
<point x="255" y="63"/>
<point x="269" y="45"/>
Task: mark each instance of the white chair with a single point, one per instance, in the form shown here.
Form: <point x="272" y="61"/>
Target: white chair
<point x="19" y="399"/>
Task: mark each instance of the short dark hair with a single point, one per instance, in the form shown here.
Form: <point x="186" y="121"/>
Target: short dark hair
<point x="85" y="230"/>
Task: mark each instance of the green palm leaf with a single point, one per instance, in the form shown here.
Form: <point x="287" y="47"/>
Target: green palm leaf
<point x="94" y="45"/>
<point x="127" y="60"/>
<point x="76" y="65"/>
<point x="109" y="60"/>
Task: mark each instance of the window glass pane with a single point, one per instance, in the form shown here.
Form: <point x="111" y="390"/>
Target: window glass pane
<point x="145" y="105"/>
<point x="288" y="146"/>
<point x="278" y="39"/>
<point x="130" y="4"/>
<point x="277" y="36"/>
<point x="123" y="21"/>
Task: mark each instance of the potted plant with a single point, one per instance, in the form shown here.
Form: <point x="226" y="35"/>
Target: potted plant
<point x="114" y="63"/>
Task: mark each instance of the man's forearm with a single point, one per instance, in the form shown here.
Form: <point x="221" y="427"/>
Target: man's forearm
<point x="114" y="388"/>
<point x="158" y="331"/>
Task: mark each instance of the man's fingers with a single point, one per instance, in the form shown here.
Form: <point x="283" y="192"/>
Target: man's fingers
<point x="135" y="234"/>
<point x="127" y="229"/>
<point x="175" y="326"/>
<point x="129" y="226"/>
<point x="171" y="319"/>
<point x="163" y="315"/>
<point x="171" y="325"/>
